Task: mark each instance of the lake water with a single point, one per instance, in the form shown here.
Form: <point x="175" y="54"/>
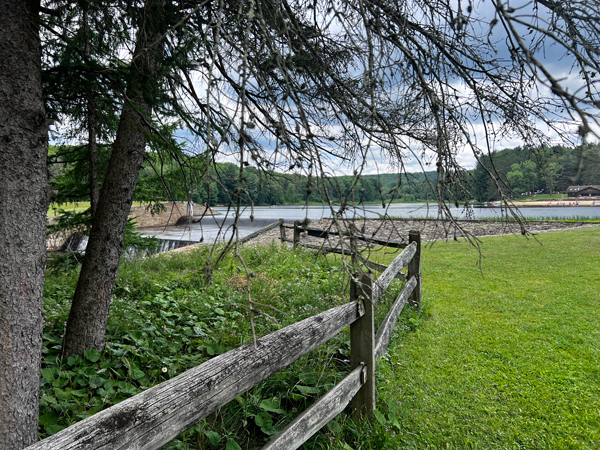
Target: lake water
<point x="210" y="227"/>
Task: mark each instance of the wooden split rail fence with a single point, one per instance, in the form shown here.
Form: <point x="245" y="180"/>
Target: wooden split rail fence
<point x="157" y="415"/>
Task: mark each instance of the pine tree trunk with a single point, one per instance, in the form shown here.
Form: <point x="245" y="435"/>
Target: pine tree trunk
<point x="86" y="325"/>
<point x="23" y="210"/>
<point x="91" y="124"/>
<point x="92" y="155"/>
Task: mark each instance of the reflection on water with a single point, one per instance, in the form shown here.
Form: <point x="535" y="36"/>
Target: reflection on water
<point x="221" y="227"/>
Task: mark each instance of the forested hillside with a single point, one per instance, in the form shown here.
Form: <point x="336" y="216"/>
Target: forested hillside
<point x="520" y="170"/>
<point x="165" y="178"/>
<point x="275" y="188"/>
<point x="552" y="169"/>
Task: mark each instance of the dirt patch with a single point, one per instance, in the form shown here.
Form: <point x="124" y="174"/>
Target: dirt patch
<point x="240" y="282"/>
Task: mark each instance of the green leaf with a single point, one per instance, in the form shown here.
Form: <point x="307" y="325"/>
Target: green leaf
<point x="60" y="382"/>
<point x="308" y="389"/>
<point x="50" y="360"/>
<point x="95" y="381"/>
<point x="198" y="331"/>
<point x="263" y="419"/>
<point x="269" y="430"/>
<point x="60" y="394"/>
<point x="271" y="405"/>
<point x="347" y="447"/>
<point x="380" y="417"/>
<point x="213" y="437"/>
<point x="48" y="375"/>
<point x="106" y="393"/>
<point x="220" y="312"/>
<point x="92" y="355"/>
<point x="49" y="399"/>
<point x="232" y="445"/>
<point x="309" y="377"/>
<point x="95" y="409"/>
<point x="88" y="371"/>
<point x="137" y="374"/>
<point x="216" y="349"/>
<point x="79" y="393"/>
<point x="74" y="360"/>
<point x="52" y="429"/>
<point x="127" y="388"/>
<point x="334" y="426"/>
<point x="136" y="335"/>
<point x="108" y="363"/>
<point x="48" y="419"/>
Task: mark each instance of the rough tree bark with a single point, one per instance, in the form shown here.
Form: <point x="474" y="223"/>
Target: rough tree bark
<point x="23" y="210"/>
<point x="86" y="325"/>
<point x="92" y="156"/>
<point x="91" y="125"/>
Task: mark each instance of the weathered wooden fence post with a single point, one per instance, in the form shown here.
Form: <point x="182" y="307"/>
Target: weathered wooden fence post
<point x="362" y="346"/>
<point x="281" y="231"/>
<point x="297" y="231"/>
<point x="414" y="267"/>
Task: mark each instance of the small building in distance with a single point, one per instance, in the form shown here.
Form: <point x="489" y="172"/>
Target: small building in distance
<point x="583" y="191"/>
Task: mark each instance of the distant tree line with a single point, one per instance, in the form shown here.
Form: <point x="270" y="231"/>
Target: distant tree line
<point x="520" y="170"/>
<point x="548" y="169"/>
<point x="164" y="178"/>
<point x="216" y="185"/>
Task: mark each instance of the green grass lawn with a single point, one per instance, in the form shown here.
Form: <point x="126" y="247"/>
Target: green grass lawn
<point x="504" y="358"/>
<point x="524" y="198"/>
<point x="75" y="207"/>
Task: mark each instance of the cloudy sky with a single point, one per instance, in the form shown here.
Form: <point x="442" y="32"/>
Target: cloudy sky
<point x="554" y="58"/>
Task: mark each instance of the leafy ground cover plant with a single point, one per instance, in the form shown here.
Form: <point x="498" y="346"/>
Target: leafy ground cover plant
<point x="165" y="319"/>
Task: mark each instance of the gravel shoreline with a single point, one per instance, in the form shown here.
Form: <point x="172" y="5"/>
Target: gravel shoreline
<point x="431" y="230"/>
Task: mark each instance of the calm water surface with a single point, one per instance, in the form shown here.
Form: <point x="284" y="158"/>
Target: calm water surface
<point x="209" y="229"/>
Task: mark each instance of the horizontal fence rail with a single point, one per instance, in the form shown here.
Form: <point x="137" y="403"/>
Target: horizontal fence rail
<point x="325" y="233"/>
<point x="257" y="233"/>
<point x="399" y="263"/>
<point x="158" y="415"/>
<point x="384" y="332"/>
<point x="324" y="248"/>
<point x="378" y="267"/>
<point x="320" y="413"/>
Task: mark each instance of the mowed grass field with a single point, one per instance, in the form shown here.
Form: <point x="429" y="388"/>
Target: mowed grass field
<point x="75" y="207"/>
<point x="502" y="356"/>
<point x="506" y="357"/>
